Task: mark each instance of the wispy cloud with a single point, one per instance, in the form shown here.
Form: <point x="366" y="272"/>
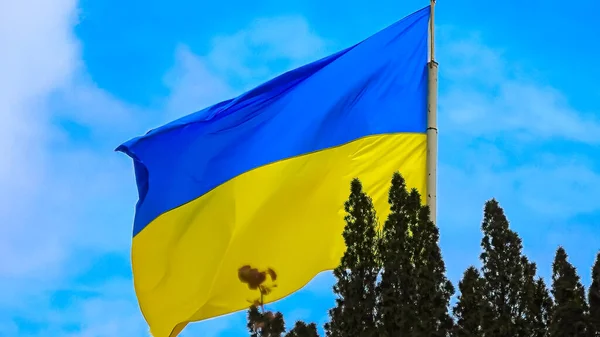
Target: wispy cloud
<point x="485" y="96"/>
<point x="511" y="135"/>
<point x="260" y="49"/>
<point x="505" y="135"/>
<point x="69" y="198"/>
<point x="67" y="202"/>
<point x="36" y="60"/>
<point x="240" y="61"/>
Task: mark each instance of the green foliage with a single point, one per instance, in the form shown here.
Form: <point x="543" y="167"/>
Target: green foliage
<point x="433" y="289"/>
<point x="265" y="324"/>
<point x="414" y="293"/>
<point x="269" y="324"/>
<point x="468" y="309"/>
<point x="546" y="306"/>
<point x="569" y="318"/>
<point x="507" y="277"/>
<point x="537" y="302"/>
<point x="506" y="299"/>
<point x="594" y="299"/>
<point x="302" y="329"/>
<point x="397" y="311"/>
<point x="354" y="313"/>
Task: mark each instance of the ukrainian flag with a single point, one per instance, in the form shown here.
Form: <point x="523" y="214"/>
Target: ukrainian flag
<point x="243" y="201"/>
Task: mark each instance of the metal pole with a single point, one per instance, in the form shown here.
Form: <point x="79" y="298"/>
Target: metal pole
<point x="432" y="131"/>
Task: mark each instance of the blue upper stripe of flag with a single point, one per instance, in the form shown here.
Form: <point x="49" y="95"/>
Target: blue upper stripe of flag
<point x="375" y="87"/>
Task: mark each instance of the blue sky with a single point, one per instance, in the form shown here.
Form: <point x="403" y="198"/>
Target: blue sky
<point x="517" y="116"/>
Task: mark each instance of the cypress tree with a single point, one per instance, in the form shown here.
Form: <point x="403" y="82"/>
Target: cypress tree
<point x="538" y="303"/>
<point x="594" y="299"/>
<point x="433" y="289"/>
<point x="546" y="305"/>
<point x="468" y="308"/>
<point x="354" y="313"/>
<point x="569" y="314"/>
<point x="505" y="294"/>
<point x="414" y="293"/>
<point x="302" y="329"/>
<point x="397" y="290"/>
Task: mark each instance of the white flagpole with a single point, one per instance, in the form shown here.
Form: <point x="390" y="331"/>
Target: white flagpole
<point x="432" y="131"/>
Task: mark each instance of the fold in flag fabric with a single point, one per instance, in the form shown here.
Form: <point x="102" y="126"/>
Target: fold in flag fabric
<point x="245" y="199"/>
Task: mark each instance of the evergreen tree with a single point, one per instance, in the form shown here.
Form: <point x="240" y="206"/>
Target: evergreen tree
<point x="302" y="329"/>
<point x="354" y="313"/>
<point x="506" y="295"/>
<point x="538" y="303"/>
<point x="468" y="308"/>
<point x="569" y="314"/>
<point x="268" y="324"/>
<point x="433" y="289"/>
<point x="414" y="291"/>
<point x="546" y="305"/>
<point x="265" y="323"/>
<point x="594" y="299"/>
<point x="397" y="311"/>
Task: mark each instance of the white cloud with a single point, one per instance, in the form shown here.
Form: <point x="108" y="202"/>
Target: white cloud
<point x="106" y="310"/>
<point x="65" y="181"/>
<point x="51" y="187"/>
<point x="486" y="96"/>
<point x="240" y="61"/>
<point x="511" y="136"/>
<point x="504" y="135"/>
<point x="66" y="196"/>
<point x="258" y="48"/>
<point x="49" y="182"/>
<point x="194" y="85"/>
<point x="36" y="60"/>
